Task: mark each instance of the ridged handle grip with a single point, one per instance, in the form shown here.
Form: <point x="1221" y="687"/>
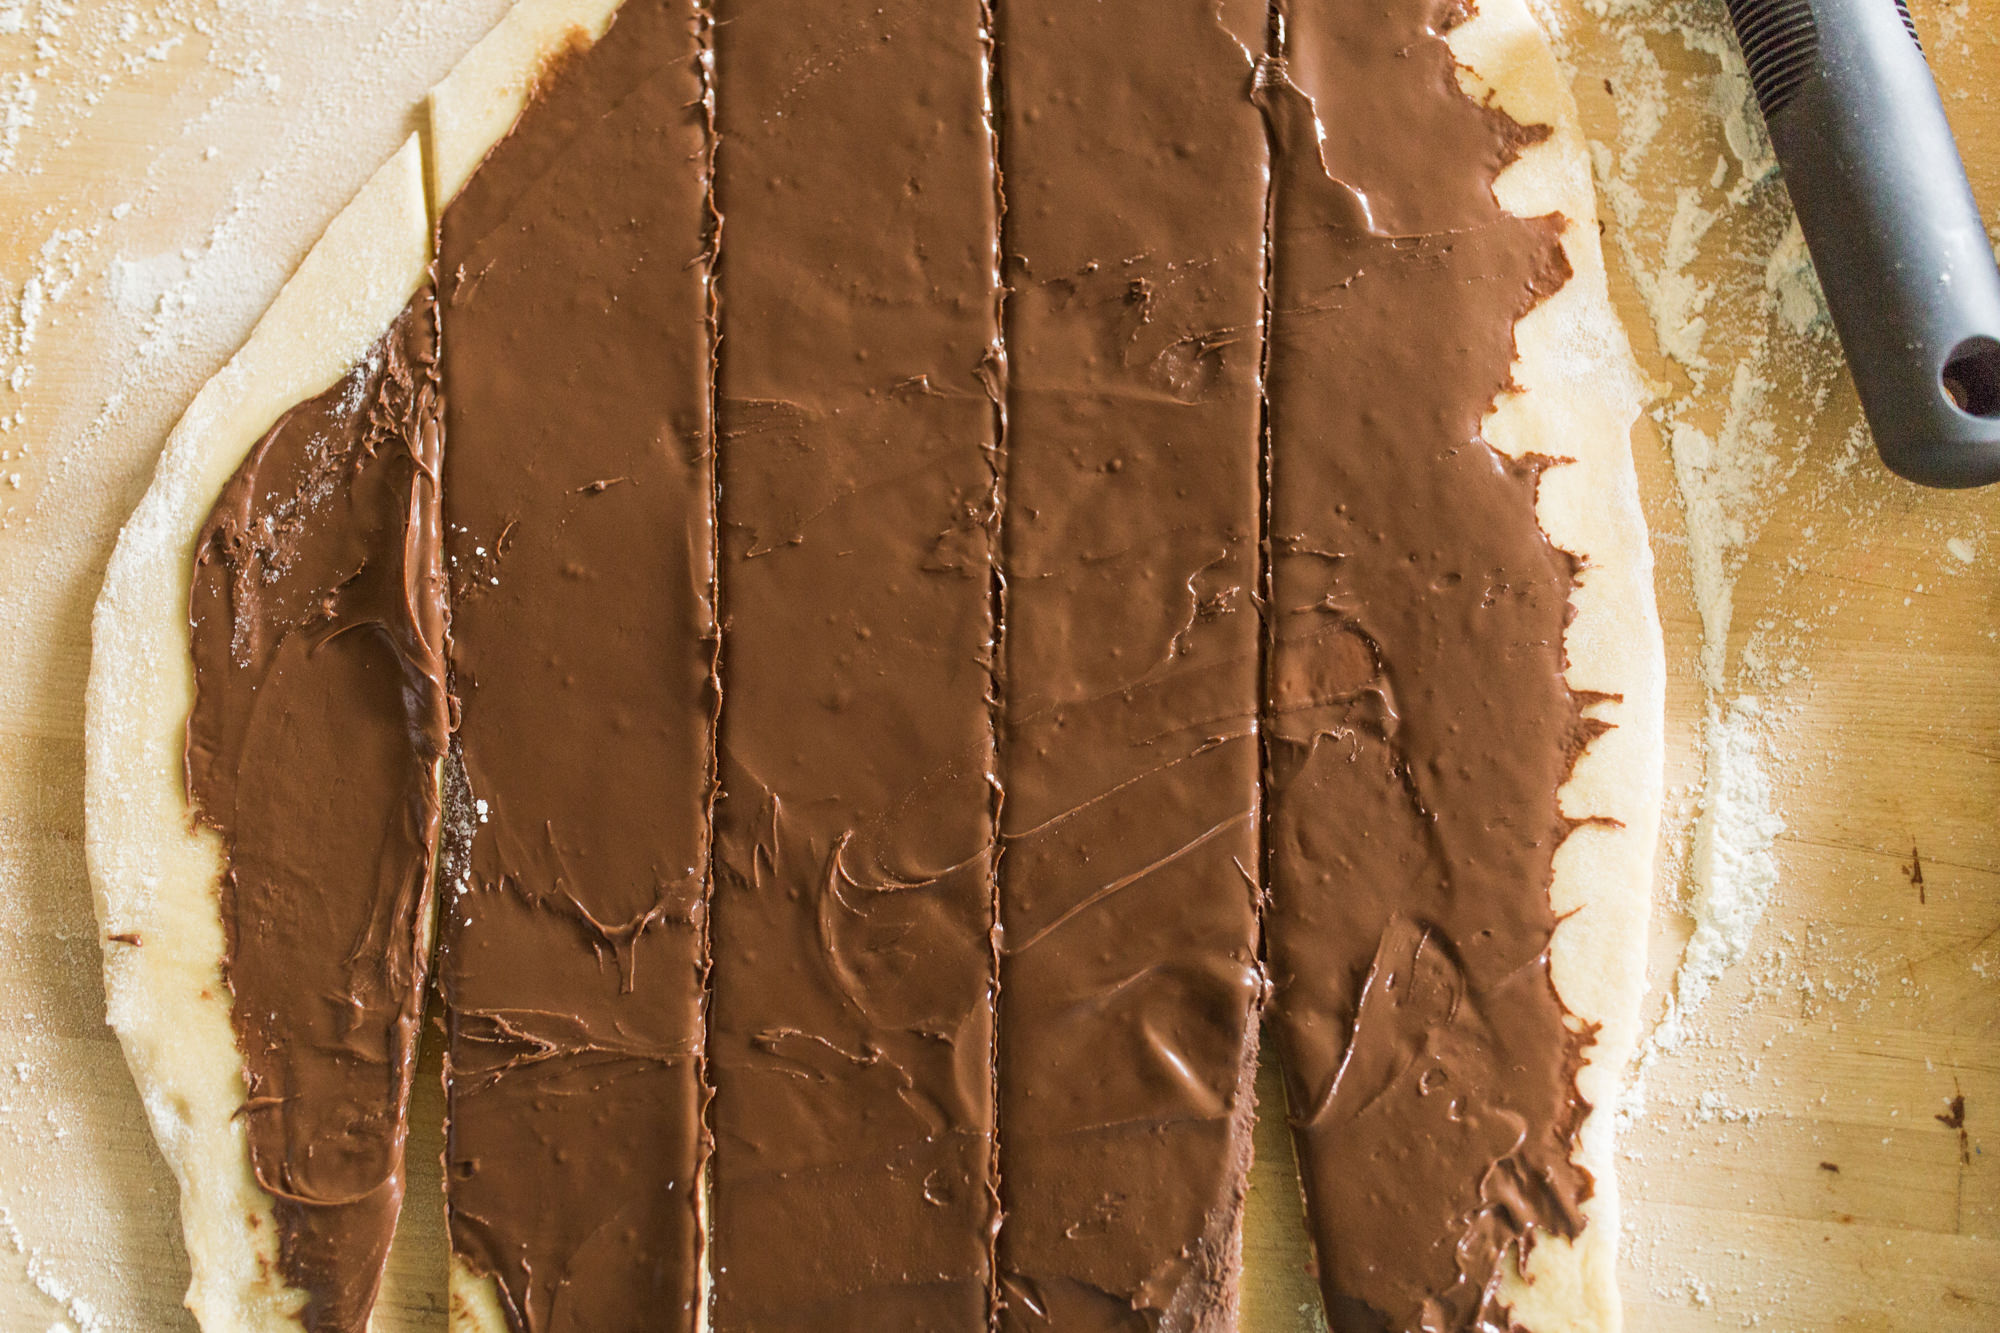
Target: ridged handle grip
<point x="1898" y="242"/>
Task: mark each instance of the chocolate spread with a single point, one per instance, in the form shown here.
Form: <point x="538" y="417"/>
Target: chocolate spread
<point x="1419" y="723"/>
<point x="315" y="622"/>
<point x="577" y="499"/>
<point x="1041" y="657"/>
<point x="1136" y="175"/>
<point x="852" y="1013"/>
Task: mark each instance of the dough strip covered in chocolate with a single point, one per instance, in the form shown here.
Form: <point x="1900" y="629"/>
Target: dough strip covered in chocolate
<point x="578" y="499"/>
<point x="316" y="623"/>
<point x="852" y="1011"/>
<point x="1419" y="722"/>
<point x="1136" y="173"/>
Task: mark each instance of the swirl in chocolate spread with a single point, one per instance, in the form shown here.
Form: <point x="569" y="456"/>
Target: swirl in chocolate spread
<point x="1134" y="234"/>
<point x="574" y="280"/>
<point x="1419" y="725"/>
<point x="315" y="621"/>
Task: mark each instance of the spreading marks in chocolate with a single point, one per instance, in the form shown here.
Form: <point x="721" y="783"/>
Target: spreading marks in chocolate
<point x="931" y="672"/>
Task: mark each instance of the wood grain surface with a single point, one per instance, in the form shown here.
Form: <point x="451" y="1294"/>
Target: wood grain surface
<point x="1818" y="1153"/>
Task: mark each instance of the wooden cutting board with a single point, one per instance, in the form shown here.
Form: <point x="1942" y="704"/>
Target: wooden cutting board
<point x="1803" y="1161"/>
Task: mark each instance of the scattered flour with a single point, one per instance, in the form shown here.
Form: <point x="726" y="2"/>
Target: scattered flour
<point x="1951" y="21"/>
<point x="1734" y="868"/>
<point x="1734" y="433"/>
<point x="1752" y="404"/>
<point x="1793" y="285"/>
<point x="18" y="96"/>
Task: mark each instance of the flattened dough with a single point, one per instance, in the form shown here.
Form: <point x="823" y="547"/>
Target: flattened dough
<point x="154" y="873"/>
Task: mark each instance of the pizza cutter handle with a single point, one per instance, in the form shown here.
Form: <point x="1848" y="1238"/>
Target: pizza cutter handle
<point x="1902" y="253"/>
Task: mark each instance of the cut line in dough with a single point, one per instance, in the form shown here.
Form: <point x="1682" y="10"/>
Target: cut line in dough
<point x="475" y="106"/>
<point x="155" y="874"/>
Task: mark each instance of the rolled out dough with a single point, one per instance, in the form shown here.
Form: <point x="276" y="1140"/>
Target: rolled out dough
<point x="155" y="874"/>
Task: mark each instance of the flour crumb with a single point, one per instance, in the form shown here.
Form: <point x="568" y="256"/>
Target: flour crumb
<point x="18" y="96"/>
<point x="1733" y="868"/>
<point x="1793" y="285"/>
<point x="1962" y="550"/>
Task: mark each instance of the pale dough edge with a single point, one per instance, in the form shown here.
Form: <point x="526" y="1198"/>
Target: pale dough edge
<point x="471" y="109"/>
<point x="1578" y="396"/>
<point x="153" y="873"/>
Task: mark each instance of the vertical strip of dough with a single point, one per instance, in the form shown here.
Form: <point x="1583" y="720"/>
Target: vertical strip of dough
<point x="1576" y="394"/>
<point x="851" y="1019"/>
<point x="471" y="109"/>
<point x="154" y="871"/>
<point x="1136" y="172"/>
<point x="574" y="288"/>
<point x="1431" y="693"/>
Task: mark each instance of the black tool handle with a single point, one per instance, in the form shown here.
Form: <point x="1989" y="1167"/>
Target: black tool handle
<point x="1882" y="198"/>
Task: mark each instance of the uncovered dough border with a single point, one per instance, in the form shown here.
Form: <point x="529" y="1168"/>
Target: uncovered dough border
<point x="1578" y="393"/>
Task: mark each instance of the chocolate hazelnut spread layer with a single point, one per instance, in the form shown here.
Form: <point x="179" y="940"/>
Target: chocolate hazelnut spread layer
<point x="576" y="353"/>
<point x="316" y="623"/>
<point x="1419" y="724"/>
<point x="859" y="906"/>
<point x="851" y="1019"/>
<point x="1136" y="174"/>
